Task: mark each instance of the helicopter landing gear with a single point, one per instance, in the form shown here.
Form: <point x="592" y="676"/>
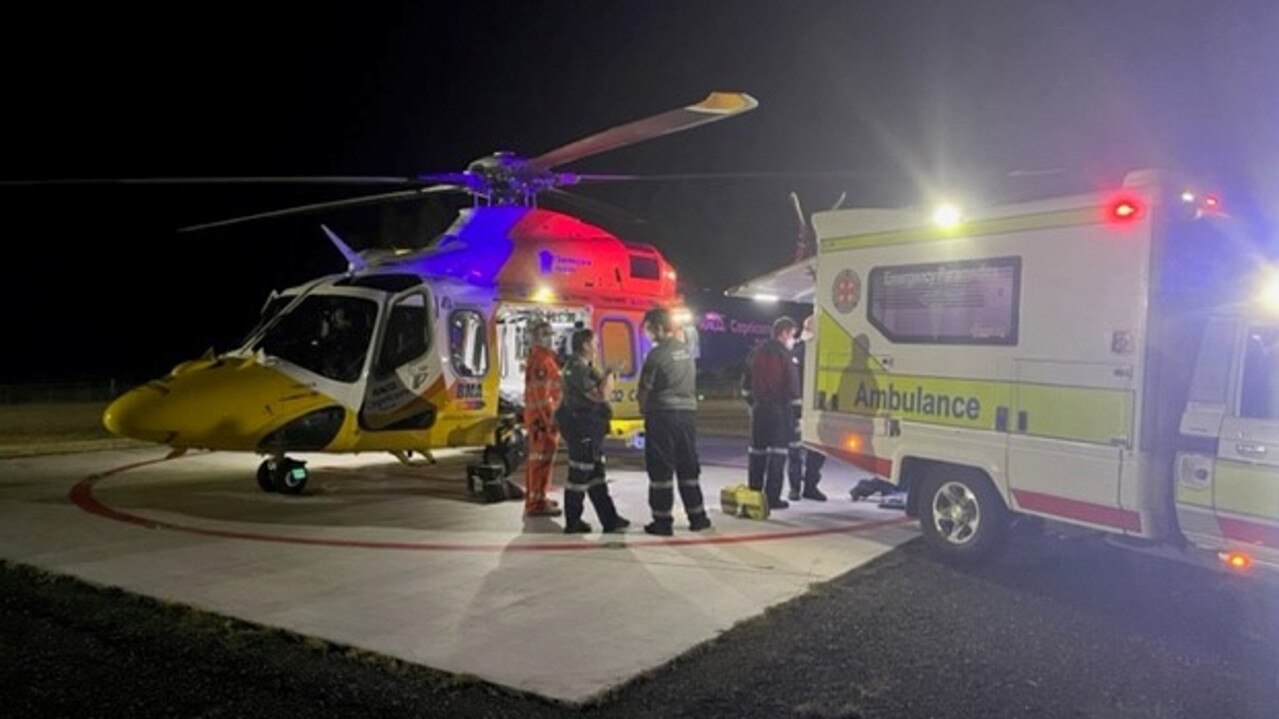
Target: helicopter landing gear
<point x="284" y="475"/>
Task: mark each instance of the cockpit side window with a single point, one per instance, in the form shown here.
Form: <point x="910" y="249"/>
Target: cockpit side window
<point x="325" y="334"/>
<point x="407" y="336"/>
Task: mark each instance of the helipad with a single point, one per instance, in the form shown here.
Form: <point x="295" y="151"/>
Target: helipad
<point x="398" y="560"/>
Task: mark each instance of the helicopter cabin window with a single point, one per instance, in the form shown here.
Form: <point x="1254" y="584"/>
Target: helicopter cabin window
<point x="617" y="346"/>
<point x="325" y="334"/>
<point x="645" y="268"/>
<point x="468" y="343"/>
<point x="1260" y="396"/>
<point x="407" y="334"/>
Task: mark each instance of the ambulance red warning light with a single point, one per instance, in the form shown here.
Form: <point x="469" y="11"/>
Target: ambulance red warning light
<point x="1122" y="210"/>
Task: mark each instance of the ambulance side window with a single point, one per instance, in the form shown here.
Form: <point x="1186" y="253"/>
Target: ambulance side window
<point x="468" y="343"/>
<point x="1259" y="398"/>
<point x="961" y="302"/>
<point x="617" y="346"/>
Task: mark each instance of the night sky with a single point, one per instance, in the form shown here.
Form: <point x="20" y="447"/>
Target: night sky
<point x="916" y="98"/>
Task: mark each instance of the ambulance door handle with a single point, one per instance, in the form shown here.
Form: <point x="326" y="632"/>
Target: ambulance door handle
<point x="1250" y="449"/>
<point x="1001" y="419"/>
<point x="1023" y="421"/>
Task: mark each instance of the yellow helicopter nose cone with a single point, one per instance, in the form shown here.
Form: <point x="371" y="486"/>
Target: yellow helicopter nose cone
<point x="134" y="414"/>
<point x="226" y="404"/>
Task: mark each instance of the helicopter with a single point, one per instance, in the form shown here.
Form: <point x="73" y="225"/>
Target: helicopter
<point x="412" y="351"/>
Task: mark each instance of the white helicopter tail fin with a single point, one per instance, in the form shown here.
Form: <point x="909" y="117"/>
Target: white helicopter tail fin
<point x="354" y="262"/>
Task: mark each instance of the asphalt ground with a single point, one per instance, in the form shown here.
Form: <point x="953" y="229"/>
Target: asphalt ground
<point x="1057" y="626"/>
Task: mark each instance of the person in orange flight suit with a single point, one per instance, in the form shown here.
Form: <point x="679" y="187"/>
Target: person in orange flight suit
<point x="542" y="396"/>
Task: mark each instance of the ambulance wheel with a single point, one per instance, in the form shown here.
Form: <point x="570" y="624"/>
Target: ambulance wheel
<point x="266" y="482"/>
<point x="290" y="476"/>
<point x="962" y="517"/>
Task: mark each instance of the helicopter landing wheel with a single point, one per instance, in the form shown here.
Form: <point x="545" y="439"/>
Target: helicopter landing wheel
<point x="284" y="475"/>
<point x="265" y="481"/>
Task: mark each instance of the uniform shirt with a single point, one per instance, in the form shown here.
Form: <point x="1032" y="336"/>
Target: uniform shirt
<point x="542" y="390"/>
<point x="771" y="376"/>
<point x="581" y="381"/>
<point x="668" y="380"/>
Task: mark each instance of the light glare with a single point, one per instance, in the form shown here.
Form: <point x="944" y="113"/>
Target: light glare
<point x="1268" y="298"/>
<point x="946" y="216"/>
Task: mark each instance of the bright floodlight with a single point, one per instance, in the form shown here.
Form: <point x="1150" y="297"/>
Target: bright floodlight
<point x="1268" y="298"/>
<point x="764" y="297"/>
<point x="543" y="294"/>
<point x="1187" y="196"/>
<point x="946" y="216"/>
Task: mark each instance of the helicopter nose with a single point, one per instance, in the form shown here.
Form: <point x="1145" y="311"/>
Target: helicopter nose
<point x="143" y="413"/>
<point x="227" y="404"/>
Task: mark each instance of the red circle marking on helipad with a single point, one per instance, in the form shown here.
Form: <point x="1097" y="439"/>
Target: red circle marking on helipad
<point x="82" y="496"/>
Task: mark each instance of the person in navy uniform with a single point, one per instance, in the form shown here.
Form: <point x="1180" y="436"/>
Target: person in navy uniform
<point x="803" y="464"/>
<point x="583" y="420"/>
<point x="668" y="400"/>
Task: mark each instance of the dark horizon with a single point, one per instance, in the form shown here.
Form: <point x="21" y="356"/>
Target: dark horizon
<point x="922" y="98"/>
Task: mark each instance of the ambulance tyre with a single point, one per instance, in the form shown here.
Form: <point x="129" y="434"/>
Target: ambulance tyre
<point x="962" y="517"/>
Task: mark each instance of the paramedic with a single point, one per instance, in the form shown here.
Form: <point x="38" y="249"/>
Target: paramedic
<point x="668" y="400"/>
<point x="542" y="394"/>
<point x="583" y="420"/>
<point x="803" y="465"/>
<point x="769" y="385"/>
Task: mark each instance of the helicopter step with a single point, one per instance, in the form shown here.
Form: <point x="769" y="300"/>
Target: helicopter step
<point x="282" y="474"/>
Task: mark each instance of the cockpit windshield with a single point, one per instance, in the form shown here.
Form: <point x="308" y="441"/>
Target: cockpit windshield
<point x="326" y="334"/>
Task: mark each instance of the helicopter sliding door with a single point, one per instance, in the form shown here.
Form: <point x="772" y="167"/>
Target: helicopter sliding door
<point x="513" y="342"/>
<point x="404" y="370"/>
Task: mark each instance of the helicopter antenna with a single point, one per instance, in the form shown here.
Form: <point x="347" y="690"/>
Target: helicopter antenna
<point x="804" y="246"/>
<point x="354" y="262"/>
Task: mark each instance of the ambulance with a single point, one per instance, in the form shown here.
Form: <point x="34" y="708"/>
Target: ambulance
<point x="1108" y="360"/>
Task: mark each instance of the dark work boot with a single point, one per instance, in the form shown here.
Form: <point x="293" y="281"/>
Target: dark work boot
<point x="661" y="529"/>
<point x="814" y="494"/>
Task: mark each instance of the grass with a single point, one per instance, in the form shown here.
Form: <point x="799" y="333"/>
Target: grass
<point x="55" y="427"/>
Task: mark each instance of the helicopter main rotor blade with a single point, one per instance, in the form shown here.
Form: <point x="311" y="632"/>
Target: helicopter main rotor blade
<point x="577" y="179"/>
<point x="716" y="106"/>
<point x="398" y="196"/>
<point x="336" y="180"/>
<point x="597" y="207"/>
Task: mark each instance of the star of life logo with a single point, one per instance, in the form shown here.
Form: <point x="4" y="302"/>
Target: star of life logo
<point x="846" y="291"/>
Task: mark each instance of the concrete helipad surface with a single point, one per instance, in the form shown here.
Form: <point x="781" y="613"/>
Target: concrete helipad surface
<point x="397" y="560"/>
